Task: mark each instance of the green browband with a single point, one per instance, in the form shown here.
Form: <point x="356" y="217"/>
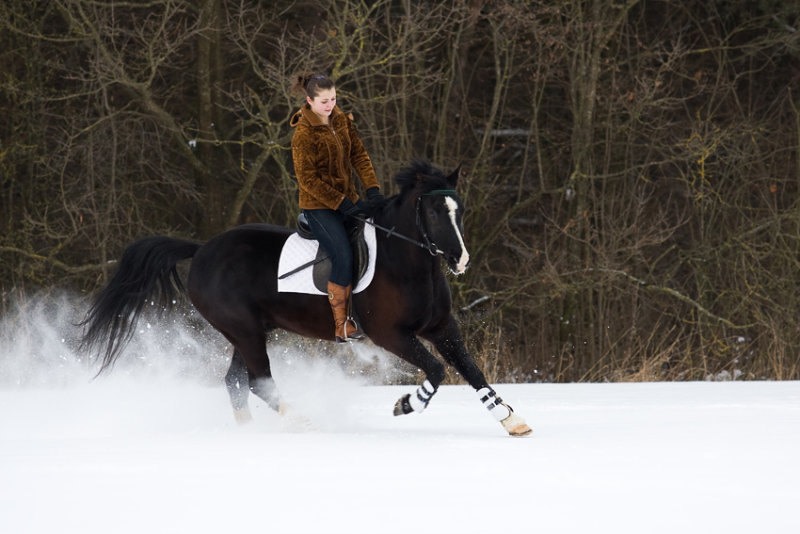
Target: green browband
<point x="446" y="192"/>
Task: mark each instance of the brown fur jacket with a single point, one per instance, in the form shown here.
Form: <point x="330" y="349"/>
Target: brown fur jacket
<point x="324" y="156"/>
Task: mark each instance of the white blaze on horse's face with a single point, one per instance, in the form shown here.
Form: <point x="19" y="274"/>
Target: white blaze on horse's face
<point x="463" y="260"/>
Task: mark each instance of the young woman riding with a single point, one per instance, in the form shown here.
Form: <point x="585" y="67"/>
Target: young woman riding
<point x="325" y="149"/>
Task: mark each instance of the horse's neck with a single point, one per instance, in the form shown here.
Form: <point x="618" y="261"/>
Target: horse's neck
<point x="407" y="256"/>
<point x="399" y="219"/>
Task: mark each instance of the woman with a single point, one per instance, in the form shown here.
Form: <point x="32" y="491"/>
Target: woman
<point x="325" y="149"/>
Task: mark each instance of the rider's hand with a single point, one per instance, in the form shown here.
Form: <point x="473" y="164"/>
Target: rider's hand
<point x="349" y="209"/>
<point x="375" y="198"/>
<point x="374" y="195"/>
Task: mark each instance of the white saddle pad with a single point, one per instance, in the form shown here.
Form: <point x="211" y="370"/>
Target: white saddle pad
<point x="298" y="251"/>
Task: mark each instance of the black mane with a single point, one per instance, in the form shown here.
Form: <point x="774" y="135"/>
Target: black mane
<point x="420" y="173"/>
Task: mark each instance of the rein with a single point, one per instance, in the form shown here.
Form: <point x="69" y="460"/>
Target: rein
<point x="428" y="245"/>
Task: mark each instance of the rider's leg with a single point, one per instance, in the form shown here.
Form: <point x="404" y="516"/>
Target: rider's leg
<point x="339" y="297"/>
<point x="329" y="229"/>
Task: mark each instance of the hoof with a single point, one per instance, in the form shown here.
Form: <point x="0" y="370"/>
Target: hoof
<point x="516" y="426"/>
<point x="403" y="405"/>
<point x="242" y="416"/>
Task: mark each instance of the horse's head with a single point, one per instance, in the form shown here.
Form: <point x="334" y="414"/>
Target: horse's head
<point x="439" y="211"/>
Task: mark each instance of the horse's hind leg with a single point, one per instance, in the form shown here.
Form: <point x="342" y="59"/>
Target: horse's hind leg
<point x="260" y="373"/>
<point x="238" y="384"/>
<point x="250" y="372"/>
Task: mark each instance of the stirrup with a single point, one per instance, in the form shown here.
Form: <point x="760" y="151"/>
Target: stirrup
<point x="356" y="335"/>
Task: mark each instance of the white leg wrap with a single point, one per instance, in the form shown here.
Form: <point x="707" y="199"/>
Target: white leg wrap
<point x="420" y="399"/>
<point x="494" y="403"/>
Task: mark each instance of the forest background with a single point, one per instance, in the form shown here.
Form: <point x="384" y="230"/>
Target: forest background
<point x="632" y="166"/>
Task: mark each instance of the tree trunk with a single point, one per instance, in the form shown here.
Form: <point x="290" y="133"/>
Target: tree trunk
<point x="213" y="215"/>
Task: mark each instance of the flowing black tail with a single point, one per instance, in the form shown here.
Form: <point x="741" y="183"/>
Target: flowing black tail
<point x="147" y="271"/>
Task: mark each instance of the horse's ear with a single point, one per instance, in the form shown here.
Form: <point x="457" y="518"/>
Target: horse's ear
<point x="454" y="176"/>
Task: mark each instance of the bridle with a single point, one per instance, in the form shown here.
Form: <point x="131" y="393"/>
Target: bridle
<point x="428" y="243"/>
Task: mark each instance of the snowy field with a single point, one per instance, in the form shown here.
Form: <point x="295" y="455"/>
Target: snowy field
<point x="152" y="447"/>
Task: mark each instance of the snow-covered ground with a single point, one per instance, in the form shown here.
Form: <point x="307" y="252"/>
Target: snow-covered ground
<point x="153" y="448"/>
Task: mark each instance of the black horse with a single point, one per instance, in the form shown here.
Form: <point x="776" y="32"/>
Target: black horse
<point x="232" y="282"/>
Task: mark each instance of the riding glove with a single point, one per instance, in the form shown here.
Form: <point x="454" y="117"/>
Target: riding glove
<point x="374" y="195"/>
<point x="359" y="209"/>
<point x="376" y="199"/>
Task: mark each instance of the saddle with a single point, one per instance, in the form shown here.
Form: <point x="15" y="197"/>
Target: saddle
<point x="322" y="265"/>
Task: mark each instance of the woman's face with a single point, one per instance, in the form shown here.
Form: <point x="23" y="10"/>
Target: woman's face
<point x="323" y="103"/>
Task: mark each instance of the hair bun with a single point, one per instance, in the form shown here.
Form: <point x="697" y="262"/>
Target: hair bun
<point x="310" y="84"/>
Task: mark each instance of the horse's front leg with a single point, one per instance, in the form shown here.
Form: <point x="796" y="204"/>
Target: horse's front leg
<point x="408" y="347"/>
<point x="450" y="345"/>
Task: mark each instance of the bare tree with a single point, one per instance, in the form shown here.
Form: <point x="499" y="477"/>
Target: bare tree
<point x="631" y="167"/>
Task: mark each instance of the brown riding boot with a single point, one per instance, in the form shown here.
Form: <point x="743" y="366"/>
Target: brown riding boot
<point x="339" y="297"/>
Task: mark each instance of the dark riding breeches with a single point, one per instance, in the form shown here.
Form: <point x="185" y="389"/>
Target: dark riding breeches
<point x="332" y="231"/>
